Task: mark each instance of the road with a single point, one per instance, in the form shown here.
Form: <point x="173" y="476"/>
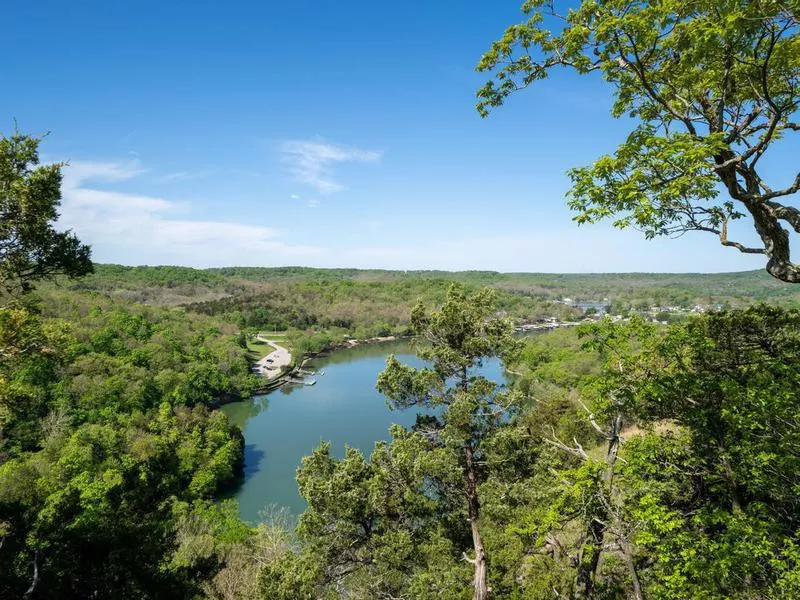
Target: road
<point x="273" y="363"/>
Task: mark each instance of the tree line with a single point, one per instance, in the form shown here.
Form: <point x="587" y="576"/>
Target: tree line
<point x="629" y="460"/>
<point x="107" y="437"/>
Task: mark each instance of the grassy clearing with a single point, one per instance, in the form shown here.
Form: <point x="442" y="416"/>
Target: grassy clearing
<point x="260" y="348"/>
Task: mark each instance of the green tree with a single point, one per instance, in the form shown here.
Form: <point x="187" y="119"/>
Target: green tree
<point x="728" y="493"/>
<point x="458" y="337"/>
<point x="378" y="528"/>
<point x="25" y="366"/>
<point x="92" y="513"/>
<point x="704" y="504"/>
<point x="712" y="86"/>
<point x="30" y="194"/>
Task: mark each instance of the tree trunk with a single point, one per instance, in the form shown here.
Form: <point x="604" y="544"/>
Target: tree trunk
<point x="776" y="242"/>
<point x="481" y="588"/>
<point x="619" y="525"/>
<point x="627" y="555"/>
<point x="596" y="531"/>
<point x="35" y="579"/>
<point x="587" y="566"/>
<point x="767" y="216"/>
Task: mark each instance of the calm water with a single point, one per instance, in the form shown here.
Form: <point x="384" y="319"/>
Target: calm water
<point x="343" y="408"/>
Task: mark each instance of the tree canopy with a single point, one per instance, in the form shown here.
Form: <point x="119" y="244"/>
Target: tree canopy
<point x="623" y="460"/>
<point x="30" y="194"/>
<point x="712" y="86"/>
<point x="631" y="460"/>
<point x="460" y="335"/>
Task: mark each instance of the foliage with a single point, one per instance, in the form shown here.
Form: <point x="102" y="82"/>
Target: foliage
<point x="364" y="308"/>
<point x="459" y="335"/>
<point x="373" y="303"/>
<point x="366" y="519"/>
<point x="711" y="86"/>
<point x="104" y="431"/>
<point x="726" y="502"/>
<point x="92" y="508"/>
<point x="30" y="194"/>
<point x="111" y="461"/>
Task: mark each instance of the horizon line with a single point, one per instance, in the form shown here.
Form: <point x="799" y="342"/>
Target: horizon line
<point x="388" y="270"/>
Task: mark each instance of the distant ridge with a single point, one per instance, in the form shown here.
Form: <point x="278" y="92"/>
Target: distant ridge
<point x="176" y="285"/>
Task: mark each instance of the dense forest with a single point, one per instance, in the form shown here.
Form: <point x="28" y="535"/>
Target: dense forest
<point x="628" y="458"/>
<point x="108" y="440"/>
<point x="370" y="303"/>
<point x="171" y="286"/>
<point x="585" y="476"/>
<point x="649" y="454"/>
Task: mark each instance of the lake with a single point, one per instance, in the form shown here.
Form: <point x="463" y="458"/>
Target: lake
<point x="343" y="408"/>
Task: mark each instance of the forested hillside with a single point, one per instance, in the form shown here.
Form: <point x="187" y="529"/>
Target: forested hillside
<point x="594" y="477"/>
<point x="643" y="443"/>
<point x="108" y="439"/>
<point x="155" y="284"/>
<point x="368" y="303"/>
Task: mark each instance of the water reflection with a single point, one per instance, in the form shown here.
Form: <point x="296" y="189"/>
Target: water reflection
<point x="253" y="455"/>
<point x="343" y="408"/>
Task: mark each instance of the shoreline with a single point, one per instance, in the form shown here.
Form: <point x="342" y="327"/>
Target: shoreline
<point x="273" y="364"/>
<point x="285" y="377"/>
<point x="352" y="343"/>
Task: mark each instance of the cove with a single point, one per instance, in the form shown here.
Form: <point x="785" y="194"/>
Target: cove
<point x="343" y="408"/>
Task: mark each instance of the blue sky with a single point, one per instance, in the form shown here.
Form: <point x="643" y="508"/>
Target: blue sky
<point x="319" y="133"/>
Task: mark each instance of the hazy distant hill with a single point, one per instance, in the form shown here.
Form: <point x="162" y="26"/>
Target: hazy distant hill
<point x="180" y="285"/>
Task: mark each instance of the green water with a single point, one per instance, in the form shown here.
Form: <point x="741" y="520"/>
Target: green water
<point x="343" y="408"/>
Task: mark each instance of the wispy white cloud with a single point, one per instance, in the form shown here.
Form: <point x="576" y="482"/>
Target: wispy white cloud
<point x="313" y="162"/>
<point x="295" y="197"/>
<point x="140" y="229"/>
<point x="79" y="172"/>
<point x="135" y="228"/>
